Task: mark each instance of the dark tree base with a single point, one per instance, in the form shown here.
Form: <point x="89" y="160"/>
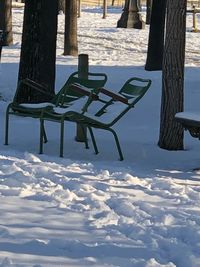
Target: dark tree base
<point x="153" y="67"/>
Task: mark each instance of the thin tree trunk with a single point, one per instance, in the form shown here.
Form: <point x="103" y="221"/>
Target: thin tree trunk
<point x="6" y="21"/>
<point x="105" y="9"/>
<point x="79" y="8"/>
<point x="70" y="37"/>
<point x="171" y="132"/>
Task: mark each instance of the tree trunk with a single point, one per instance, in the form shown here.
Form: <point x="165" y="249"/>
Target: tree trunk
<point x="38" y="51"/>
<point x="156" y="36"/>
<point x="6" y="21"/>
<point x="79" y="8"/>
<point x="70" y="37"/>
<point x="105" y="9"/>
<point x="148" y="11"/>
<point x="171" y="132"/>
<point x="61" y="6"/>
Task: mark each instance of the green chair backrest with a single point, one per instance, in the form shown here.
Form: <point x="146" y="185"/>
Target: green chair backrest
<point x="67" y="95"/>
<point x="134" y="89"/>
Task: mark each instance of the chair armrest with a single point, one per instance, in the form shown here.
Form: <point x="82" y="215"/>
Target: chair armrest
<point x="84" y="91"/>
<point x="114" y="96"/>
<point x="38" y="87"/>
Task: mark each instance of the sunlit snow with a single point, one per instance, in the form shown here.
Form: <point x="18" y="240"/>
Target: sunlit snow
<point x="93" y="210"/>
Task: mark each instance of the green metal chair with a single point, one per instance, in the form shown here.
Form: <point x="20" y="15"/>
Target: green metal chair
<point x="101" y="110"/>
<point x="65" y="97"/>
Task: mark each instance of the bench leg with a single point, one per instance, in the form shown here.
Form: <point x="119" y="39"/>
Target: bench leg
<point x="84" y="134"/>
<point x="45" y="140"/>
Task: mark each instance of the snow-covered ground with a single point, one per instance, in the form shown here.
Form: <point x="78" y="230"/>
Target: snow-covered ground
<point x="93" y="210"/>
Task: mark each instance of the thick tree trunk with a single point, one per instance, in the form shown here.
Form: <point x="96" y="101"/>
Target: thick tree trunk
<point x="38" y="51"/>
<point x="6" y="21"/>
<point x="70" y="37"/>
<point x="171" y="133"/>
<point x="148" y="11"/>
<point x="156" y="36"/>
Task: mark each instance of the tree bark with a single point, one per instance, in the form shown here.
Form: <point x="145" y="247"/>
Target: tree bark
<point x="171" y="132"/>
<point x="6" y="21"/>
<point x="105" y="4"/>
<point x="156" y="36"/>
<point x="38" y="51"/>
<point x="148" y="11"/>
<point x="70" y="36"/>
<point x="61" y="6"/>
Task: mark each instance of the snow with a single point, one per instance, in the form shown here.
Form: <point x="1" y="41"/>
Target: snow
<point x="37" y="105"/>
<point x="93" y="210"/>
<point x="195" y="116"/>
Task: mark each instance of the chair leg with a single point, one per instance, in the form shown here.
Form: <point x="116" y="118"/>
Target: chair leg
<point x="93" y="140"/>
<point x="117" y="143"/>
<point x="45" y="140"/>
<point x="41" y="135"/>
<point x="84" y="132"/>
<point x="6" y="127"/>
<point x="61" y="137"/>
